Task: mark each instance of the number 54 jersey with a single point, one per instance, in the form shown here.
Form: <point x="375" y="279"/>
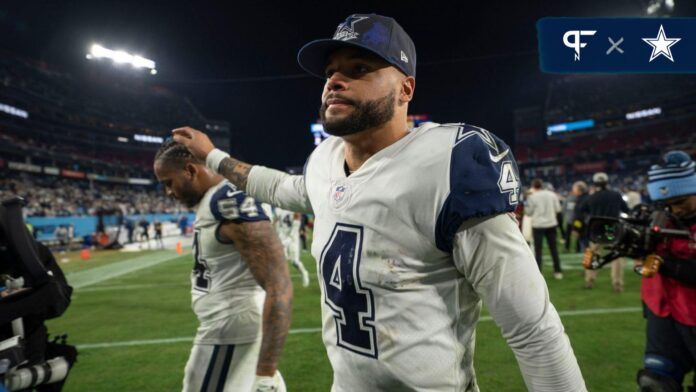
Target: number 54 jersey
<point x="225" y="295"/>
<point x="397" y="314"/>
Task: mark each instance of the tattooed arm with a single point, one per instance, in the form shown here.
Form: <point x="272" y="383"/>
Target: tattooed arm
<point x="263" y="184"/>
<point x="261" y="249"/>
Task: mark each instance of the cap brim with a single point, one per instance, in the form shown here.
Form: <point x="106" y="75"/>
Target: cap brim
<point x="314" y="55"/>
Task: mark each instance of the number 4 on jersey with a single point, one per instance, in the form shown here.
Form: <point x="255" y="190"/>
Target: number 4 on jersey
<point x="352" y="304"/>
<point x="200" y="267"/>
<point x="508" y="182"/>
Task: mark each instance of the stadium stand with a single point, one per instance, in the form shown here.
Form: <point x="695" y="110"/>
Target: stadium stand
<point x="79" y="122"/>
<point x="74" y="147"/>
<point x="618" y="143"/>
<point x="54" y="196"/>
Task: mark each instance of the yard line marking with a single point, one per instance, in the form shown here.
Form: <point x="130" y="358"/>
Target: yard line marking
<point x="123" y="287"/>
<point x="96" y="275"/>
<point x="149" y="286"/>
<point x="566" y="313"/>
<point x="578" y="266"/>
<point x="135" y="343"/>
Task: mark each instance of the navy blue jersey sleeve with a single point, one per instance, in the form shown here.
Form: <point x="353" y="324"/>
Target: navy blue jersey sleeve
<point x="231" y="204"/>
<point x="483" y="181"/>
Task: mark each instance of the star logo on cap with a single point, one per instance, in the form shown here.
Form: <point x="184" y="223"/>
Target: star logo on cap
<point x="346" y="30"/>
<point x="661" y="45"/>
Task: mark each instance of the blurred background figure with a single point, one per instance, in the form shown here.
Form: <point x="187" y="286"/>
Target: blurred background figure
<point x="130" y="228"/>
<point x="569" y="203"/>
<point x="183" y="224"/>
<point x="609" y="203"/>
<point x="61" y="234"/>
<point x="632" y="198"/>
<point x="542" y="207"/>
<point x="581" y="193"/>
<point x="287" y="225"/>
<point x="144" y="226"/>
<point x="158" y="233"/>
<point x="525" y="221"/>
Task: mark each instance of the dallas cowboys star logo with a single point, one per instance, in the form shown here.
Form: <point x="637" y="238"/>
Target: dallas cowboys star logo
<point x="346" y="30"/>
<point x="661" y="45"/>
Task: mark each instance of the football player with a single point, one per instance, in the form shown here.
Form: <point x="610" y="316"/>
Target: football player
<point x="287" y="225"/>
<point x="240" y="287"/>
<point x="412" y="229"/>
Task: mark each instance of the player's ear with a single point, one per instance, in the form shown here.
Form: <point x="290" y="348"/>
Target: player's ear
<point x="408" y="86"/>
<point x="191" y="170"/>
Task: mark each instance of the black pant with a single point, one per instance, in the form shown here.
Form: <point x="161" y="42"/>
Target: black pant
<point x="550" y="235"/>
<point x="561" y="226"/>
<point x="568" y="236"/>
<point x="667" y="338"/>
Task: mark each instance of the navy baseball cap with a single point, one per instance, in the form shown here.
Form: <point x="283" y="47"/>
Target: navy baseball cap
<point x="377" y="34"/>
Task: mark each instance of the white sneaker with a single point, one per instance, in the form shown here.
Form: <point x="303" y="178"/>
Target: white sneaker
<point x="558" y="275"/>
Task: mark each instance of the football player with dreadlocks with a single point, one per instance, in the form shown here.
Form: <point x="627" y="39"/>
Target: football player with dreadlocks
<point x="240" y="286"/>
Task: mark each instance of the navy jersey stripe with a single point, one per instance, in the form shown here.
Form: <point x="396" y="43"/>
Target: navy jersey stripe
<point x="230" y="204"/>
<point x="483" y="181"/>
<point x="209" y="371"/>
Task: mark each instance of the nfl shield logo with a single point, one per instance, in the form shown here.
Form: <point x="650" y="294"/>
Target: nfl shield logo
<point x="339" y="193"/>
<point x="339" y="196"/>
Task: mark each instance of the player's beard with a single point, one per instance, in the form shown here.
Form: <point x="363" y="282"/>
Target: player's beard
<point x="366" y="115"/>
<point x="188" y="196"/>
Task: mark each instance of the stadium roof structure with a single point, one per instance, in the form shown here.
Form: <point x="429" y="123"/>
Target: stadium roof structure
<point x="477" y="62"/>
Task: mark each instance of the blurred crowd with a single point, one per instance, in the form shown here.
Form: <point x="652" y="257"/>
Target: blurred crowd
<point x="52" y="196"/>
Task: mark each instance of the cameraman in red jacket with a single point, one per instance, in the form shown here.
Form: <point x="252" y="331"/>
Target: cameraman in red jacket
<point x="669" y="297"/>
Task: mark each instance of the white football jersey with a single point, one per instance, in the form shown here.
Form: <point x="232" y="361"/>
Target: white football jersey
<point x="402" y="282"/>
<point x="225" y="295"/>
<point x="286" y="225"/>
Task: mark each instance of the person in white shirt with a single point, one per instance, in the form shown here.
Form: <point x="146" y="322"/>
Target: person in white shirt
<point x="543" y="207"/>
<point x="412" y="229"/>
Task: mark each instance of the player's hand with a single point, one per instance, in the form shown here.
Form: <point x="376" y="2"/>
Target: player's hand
<point x="196" y="141"/>
<point x="269" y="384"/>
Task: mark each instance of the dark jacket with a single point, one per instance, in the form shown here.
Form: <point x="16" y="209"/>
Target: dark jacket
<point x="577" y="213"/>
<point x="604" y="202"/>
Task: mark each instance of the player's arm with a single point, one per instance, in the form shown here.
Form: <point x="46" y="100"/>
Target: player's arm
<point x="266" y="185"/>
<point x="493" y="256"/>
<point x="476" y="226"/>
<point x="260" y="248"/>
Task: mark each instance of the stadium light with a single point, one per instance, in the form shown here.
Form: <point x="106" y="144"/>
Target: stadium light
<point x="9" y="109"/>
<point x="570" y="126"/>
<point x="148" y="138"/>
<point x="644" y="113"/>
<point x="97" y="51"/>
<point x="660" y="7"/>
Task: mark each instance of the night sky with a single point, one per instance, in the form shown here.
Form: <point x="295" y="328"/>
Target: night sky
<point x="236" y="61"/>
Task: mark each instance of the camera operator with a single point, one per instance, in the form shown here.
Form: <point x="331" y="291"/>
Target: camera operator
<point x="608" y="203"/>
<point x="669" y="297"/>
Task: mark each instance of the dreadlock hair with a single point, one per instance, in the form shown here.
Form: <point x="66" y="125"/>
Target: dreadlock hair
<point x="175" y="153"/>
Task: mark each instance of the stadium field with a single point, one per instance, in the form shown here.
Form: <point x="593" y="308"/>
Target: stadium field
<point x="132" y="323"/>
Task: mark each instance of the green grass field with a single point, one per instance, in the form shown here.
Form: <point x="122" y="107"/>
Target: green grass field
<point x="132" y="322"/>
